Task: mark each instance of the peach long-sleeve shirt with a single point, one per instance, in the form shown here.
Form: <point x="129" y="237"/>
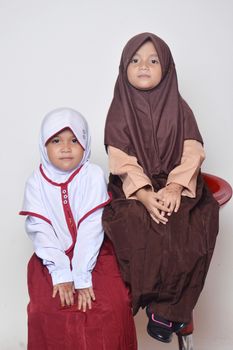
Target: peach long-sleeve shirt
<point x="133" y="177"/>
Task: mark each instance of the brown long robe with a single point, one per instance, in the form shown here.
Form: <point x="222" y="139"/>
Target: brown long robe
<point x="163" y="264"/>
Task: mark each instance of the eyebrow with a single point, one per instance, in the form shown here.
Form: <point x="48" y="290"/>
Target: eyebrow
<point x="153" y="54"/>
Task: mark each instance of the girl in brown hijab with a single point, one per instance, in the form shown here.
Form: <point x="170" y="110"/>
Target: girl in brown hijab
<point x="163" y="220"/>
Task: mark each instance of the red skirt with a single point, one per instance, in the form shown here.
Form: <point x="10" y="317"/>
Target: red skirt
<point x="109" y="325"/>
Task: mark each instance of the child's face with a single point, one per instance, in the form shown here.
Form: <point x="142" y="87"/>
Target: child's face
<point x="64" y="150"/>
<point x="144" y="70"/>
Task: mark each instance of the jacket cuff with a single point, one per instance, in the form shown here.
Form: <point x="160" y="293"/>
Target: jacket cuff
<point x="61" y="276"/>
<point x="83" y="280"/>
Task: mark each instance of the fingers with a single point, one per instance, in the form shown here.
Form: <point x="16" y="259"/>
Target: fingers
<point x="92" y="294"/>
<point x="85" y="298"/>
<point x="86" y="301"/>
<point x="66" y="293"/>
<point x="154" y="218"/>
<point x="172" y="196"/>
<point x="80" y="301"/>
<point x="158" y="217"/>
<point x="89" y="301"/>
<point x="69" y="297"/>
<point x="161" y="205"/>
<point x="161" y="211"/>
<point x="62" y="297"/>
<point x="170" y="203"/>
<point x="177" y="206"/>
<point x="83" y="302"/>
<point x="173" y="203"/>
<point x="55" y="290"/>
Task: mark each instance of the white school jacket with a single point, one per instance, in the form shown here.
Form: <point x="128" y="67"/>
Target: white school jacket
<point x="66" y="216"/>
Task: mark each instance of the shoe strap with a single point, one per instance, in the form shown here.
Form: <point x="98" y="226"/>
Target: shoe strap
<point x="169" y="324"/>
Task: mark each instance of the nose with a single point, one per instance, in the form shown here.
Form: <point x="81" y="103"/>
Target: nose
<point x="143" y="65"/>
<point x="66" y="147"/>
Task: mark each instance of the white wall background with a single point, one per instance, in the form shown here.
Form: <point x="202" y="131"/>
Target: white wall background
<point x="66" y="53"/>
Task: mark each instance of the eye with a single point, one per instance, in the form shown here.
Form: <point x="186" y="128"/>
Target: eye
<point x="154" y="61"/>
<point x="134" y="60"/>
<point x="55" y="140"/>
<point x="74" y="140"/>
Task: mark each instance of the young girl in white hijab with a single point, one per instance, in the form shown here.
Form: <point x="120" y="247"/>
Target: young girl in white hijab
<point x="63" y="203"/>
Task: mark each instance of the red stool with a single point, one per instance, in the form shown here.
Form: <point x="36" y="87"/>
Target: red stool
<point x="222" y="192"/>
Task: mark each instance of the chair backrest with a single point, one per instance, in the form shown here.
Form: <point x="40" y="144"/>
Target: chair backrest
<point x="221" y="189"/>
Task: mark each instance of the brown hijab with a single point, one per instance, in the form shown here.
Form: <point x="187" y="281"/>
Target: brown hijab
<point x="150" y="125"/>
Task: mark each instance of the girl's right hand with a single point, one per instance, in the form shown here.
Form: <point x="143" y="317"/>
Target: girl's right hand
<point x="66" y="292"/>
<point x="154" y="205"/>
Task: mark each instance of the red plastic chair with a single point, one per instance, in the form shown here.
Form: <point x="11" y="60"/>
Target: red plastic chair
<point x="222" y="192"/>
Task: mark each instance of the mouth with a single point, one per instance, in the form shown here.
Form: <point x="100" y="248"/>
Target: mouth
<point x="66" y="158"/>
<point x="144" y="76"/>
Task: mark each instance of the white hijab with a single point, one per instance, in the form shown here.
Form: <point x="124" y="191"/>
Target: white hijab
<point x="54" y="122"/>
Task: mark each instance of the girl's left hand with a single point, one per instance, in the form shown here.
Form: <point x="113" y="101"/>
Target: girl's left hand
<point x="85" y="298"/>
<point x="171" y="196"/>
